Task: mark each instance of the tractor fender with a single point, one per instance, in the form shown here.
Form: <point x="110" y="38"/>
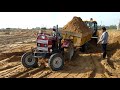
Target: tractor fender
<point x="66" y="43"/>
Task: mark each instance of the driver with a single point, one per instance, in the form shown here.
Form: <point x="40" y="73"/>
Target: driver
<point x="58" y="35"/>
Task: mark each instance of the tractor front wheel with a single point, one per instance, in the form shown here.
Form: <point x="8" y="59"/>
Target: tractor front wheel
<point x="29" y="61"/>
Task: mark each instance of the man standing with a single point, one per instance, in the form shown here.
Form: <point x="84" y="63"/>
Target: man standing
<point x="104" y="40"/>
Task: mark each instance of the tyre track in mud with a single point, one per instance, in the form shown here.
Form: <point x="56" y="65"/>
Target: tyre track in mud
<point x="4" y="61"/>
<point x="18" y="71"/>
<point x="77" y="68"/>
<point x="11" y="60"/>
<point x="21" y="72"/>
<point x="14" y="72"/>
<point x="92" y="75"/>
<point x="42" y="74"/>
<point x="80" y="71"/>
<point x="7" y="71"/>
<point x="99" y="69"/>
<point x="48" y="73"/>
<point x="60" y="74"/>
<point x="67" y="74"/>
<point x="30" y="72"/>
<point x="9" y="65"/>
<point x="71" y="70"/>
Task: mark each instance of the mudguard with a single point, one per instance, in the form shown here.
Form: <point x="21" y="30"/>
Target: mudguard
<point x="66" y="43"/>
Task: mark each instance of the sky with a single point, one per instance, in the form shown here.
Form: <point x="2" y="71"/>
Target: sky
<point x="50" y="19"/>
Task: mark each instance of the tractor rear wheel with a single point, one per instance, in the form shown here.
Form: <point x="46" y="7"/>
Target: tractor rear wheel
<point x="56" y="62"/>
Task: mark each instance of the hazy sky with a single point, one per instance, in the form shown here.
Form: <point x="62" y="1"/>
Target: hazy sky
<point x="49" y="19"/>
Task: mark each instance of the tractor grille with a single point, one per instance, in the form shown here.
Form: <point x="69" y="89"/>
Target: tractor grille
<point x="42" y="48"/>
<point x="42" y="55"/>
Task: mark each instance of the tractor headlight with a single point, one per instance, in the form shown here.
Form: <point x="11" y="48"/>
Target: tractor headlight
<point x="43" y="37"/>
<point x="38" y="45"/>
<point x="45" y="45"/>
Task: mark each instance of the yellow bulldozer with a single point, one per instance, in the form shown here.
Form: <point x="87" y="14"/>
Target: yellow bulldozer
<point x="92" y="24"/>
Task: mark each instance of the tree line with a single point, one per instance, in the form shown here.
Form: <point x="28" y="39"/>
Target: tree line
<point x="108" y="27"/>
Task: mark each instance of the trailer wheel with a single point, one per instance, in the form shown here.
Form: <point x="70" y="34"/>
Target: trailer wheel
<point x="69" y="52"/>
<point x="84" y="48"/>
<point x="28" y="61"/>
<point x="56" y="62"/>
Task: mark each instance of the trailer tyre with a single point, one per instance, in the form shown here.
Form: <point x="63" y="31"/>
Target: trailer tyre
<point x="69" y="52"/>
<point x="83" y="48"/>
<point x="56" y="62"/>
<point x="28" y="61"/>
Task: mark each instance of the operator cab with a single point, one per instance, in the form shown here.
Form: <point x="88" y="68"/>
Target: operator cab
<point x="92" y="25"/>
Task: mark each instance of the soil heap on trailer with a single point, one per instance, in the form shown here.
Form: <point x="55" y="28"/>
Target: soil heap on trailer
<point x="77" y="31"/>
<point x="76" y="25"/>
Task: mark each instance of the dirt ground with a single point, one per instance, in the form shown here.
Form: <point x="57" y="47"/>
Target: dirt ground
<point x="83" y="65"/>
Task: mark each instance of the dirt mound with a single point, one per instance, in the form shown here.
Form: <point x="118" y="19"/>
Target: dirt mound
<point x="116" y="55"/>
<point x="117" y="47"/>
<point x="117" y="39"/>
<point x="114" y="36"/>
<point x="76" y="25"/>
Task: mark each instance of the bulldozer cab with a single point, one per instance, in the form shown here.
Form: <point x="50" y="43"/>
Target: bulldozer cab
<point x="92" y="25"/>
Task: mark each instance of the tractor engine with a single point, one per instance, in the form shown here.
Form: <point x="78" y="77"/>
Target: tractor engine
<point x="44" y="42"/>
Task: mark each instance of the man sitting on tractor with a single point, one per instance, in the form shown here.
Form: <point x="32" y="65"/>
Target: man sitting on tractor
<point x="58" y="36"/>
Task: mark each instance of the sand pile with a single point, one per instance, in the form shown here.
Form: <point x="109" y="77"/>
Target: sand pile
<point x="114" y="36"/>
<point x="76" y="25"/>
<point x="114" y="45"/>
<point x="117" y="39"/>
<point x="116" y="55"/>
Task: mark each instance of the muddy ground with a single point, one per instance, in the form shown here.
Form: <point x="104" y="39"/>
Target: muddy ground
<point x="83" y="65"/>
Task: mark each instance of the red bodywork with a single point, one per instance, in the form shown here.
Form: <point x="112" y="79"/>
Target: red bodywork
<point x="66" y="43"/>
<point x="44" y="42"/>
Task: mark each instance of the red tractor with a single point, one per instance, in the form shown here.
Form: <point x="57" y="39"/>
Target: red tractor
<point x="48" y="46"/>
